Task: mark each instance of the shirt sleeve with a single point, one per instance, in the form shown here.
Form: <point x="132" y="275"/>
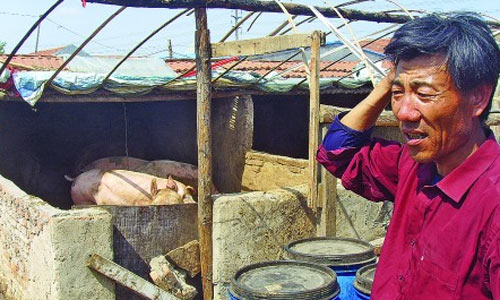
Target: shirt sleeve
<point x="341" y="136"/>
<point x="367" y="167"/>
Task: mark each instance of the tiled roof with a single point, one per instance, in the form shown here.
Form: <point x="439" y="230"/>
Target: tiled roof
<point x="377" y="46"/>
<point x="34" y="62"/>
<point x="46" y="60"/>
<point x="51" y="51"/>
<point x="339" y="69"/>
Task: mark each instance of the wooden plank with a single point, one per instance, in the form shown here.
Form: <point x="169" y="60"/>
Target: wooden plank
<point x="262" y="45"/>
<point x="387" y="118"/>
<point x="126" y="278"/>
<point x="314" y="119"/>
<point x="328" y="199"/>
<point x="328" y="114"/>
<point x="204" y="135"/>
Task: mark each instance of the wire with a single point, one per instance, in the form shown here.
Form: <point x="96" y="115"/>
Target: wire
<point x="17" y="14"/>
<point x="82" y="36"/>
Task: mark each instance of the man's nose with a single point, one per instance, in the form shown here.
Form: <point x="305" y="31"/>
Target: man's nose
<point x="405" y="109"/>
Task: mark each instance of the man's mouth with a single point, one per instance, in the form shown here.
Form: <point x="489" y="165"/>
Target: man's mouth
<point x="415" y="136"/>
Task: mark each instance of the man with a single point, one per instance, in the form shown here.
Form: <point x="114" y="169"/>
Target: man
<point x="444" y="238"/>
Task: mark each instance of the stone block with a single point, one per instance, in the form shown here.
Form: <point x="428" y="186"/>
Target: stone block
<point x="172" y="280"/>
<point x="187" y="257"/>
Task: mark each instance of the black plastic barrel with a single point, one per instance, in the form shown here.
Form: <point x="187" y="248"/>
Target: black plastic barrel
<point x="344" y="255"/>
<point x="284" y="280"/>
<point x="364" y="281"/>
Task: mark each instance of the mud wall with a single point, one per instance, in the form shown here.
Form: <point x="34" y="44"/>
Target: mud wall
<point x="43" y="250"/>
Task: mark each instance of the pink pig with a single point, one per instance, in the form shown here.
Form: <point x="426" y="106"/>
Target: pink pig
<point x="123" y="187"/>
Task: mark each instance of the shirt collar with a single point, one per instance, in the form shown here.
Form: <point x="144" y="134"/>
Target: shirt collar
<point x="458" y="181"/>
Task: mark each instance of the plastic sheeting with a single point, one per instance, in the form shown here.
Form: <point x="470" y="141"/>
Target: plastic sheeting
<point x="85" y="75"/>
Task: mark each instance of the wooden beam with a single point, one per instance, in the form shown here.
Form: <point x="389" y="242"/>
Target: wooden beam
<point x="262" y="45"/>
<point x="268" y="6"/>
<point x="387" y="118"/>
<point x="328" y="114"/>
<point x="204" y="136"/>
<point x="314" y="119"/>
<point x="128" y="279"/>
<point x="263" y="6"/>
<point x="327" y="225"/>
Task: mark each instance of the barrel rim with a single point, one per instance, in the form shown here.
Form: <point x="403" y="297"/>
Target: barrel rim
<point x="361" y="258"/>
<point x="361" y="283"/>
<point x="326" y="291"/>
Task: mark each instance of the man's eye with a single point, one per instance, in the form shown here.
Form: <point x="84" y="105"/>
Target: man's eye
<point x="425" y="96"/>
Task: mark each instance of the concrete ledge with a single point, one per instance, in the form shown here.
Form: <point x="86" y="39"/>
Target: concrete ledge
<point x="253" y="227"/>
<point x="43" y="250"/>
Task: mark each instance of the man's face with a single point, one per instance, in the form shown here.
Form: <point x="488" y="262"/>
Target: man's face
<point x="434" y="118"/>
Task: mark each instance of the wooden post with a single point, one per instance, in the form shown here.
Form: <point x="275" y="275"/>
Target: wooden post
<point x="328" y="199"/>
<point x="314" y="119"/>
<point x="203" y="98"/>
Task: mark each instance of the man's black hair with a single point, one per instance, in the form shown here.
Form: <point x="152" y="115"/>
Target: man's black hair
<point x="472" y="54"/>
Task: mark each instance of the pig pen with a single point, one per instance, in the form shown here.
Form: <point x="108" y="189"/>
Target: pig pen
<point x="46" y="243"/>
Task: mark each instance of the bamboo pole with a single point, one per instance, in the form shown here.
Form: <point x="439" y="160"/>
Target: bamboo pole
<point x="25" y="37"/>
<point x="242" y="59"/>
<point x="143" y="42"/>
<point x="236" y="26"/>
<point x="203" y="97"/>
<point x="314" y="119"/>
<point x="280" y="27"/>
<point x="84" y="44"/>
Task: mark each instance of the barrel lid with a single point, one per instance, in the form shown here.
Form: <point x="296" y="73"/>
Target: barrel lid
<point x="331" y="251"/>
<point x="284" y="280"/>
<point x="364" y="279"/>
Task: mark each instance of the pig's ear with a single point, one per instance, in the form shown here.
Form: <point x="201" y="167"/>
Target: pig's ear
<point x="154" y="188"/>
<point x="190" y="190"/>
<point x="171" y="184"/>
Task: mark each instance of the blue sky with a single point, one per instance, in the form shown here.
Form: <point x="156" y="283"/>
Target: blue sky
<point x="70" y="23"/>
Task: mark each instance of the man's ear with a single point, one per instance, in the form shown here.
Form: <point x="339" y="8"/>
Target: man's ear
<point x="480" y="98"/>
<point x="154" y="188"/>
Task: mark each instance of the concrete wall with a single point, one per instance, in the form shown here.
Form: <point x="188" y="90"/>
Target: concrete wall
<point x="253" y="227"/>
<point x="265" y="172"/>
<point x="43" y="250"/>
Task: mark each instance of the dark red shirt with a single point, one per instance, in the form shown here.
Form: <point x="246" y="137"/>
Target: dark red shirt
<point x="443" y="241"/>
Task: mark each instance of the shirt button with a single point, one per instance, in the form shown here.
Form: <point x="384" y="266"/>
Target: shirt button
<point x="400" y="277"/>
<point x="412" y="243"/>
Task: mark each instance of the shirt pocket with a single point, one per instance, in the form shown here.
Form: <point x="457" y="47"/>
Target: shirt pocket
<point x="433" y="281"/>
